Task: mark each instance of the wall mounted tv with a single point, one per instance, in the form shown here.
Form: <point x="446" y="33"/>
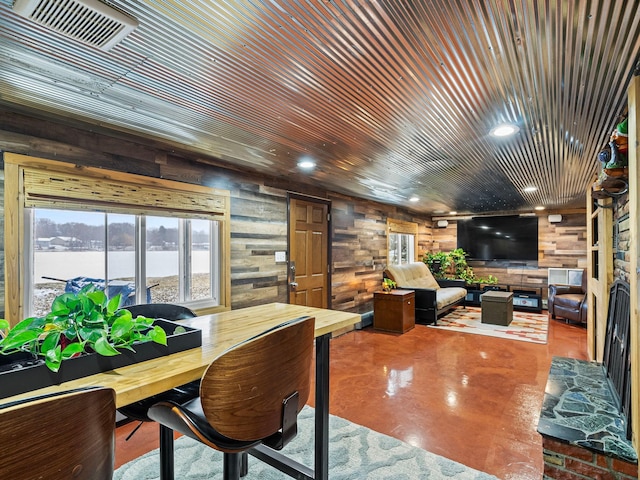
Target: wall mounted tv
<point x="509" y="237"/>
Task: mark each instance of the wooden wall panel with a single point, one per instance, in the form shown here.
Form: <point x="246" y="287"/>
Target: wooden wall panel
<point x="359" y="246"/>
<point x="258" y="230"/>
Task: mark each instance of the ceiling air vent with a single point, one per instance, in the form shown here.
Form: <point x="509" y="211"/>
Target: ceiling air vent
<point x="88" y="21"/>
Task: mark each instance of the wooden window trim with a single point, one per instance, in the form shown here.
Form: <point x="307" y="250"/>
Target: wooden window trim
<point x="403" y="227"/>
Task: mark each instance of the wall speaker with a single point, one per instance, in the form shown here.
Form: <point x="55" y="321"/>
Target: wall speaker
<point x="442" y="224"/>
<point x="555" y="218"/>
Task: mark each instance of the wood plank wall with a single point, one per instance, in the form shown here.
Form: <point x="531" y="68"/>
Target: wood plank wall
<point x="360" y="248"/>
<point x="259" y="213"/>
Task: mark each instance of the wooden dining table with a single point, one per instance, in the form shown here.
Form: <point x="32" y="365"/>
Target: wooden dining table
<point x="221" y="331"/>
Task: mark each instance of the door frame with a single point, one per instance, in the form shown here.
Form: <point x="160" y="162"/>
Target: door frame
<point x="321" y="201"/>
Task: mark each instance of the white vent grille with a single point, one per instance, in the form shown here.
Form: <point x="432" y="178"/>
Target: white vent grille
<point x="88" y="21"/>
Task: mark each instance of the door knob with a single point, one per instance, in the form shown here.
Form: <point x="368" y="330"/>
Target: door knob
<point x="293" y="285"/>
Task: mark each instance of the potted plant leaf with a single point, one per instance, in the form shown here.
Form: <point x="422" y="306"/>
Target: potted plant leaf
<point x="388" y="284"/>
<point x="85" y="329"/>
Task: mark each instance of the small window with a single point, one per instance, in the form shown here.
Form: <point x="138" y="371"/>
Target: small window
<point x="401" y="248"/>
<point x="402" y="238"/>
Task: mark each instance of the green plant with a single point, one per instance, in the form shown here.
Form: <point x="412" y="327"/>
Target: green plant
<point x="490" y="280"/>
<point x="388" y="284"/>
<point x="82" y="322"/>
<point x="459" y="262"/>
<point x="438" y="262"/>
<point x="454" y="264"/>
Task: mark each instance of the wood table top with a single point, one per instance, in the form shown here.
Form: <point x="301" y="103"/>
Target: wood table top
<point x="219" y="332"/>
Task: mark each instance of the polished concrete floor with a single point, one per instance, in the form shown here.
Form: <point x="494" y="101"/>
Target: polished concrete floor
<point x="471" y="398"/>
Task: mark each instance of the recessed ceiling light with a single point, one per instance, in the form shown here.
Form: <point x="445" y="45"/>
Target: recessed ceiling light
<point x="414" y="199"/>
<point x="504" y="130"/>
<point x="539" y="207"/>
<point x="530" y="189"/>
<point x="453" y="212"/>
<point x="306" y="164"/>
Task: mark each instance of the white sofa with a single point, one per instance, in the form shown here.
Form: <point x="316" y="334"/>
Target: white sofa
<point x="433" y="297"/>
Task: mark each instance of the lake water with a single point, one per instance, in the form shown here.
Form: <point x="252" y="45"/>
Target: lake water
<point x="65" y="265"/>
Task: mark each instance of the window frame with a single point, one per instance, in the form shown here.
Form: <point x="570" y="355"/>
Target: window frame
<point x="401" y="227"/>
<point x="33" y="182"/>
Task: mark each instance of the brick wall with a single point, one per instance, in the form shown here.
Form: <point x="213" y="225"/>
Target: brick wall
<point x="569" y="462"/>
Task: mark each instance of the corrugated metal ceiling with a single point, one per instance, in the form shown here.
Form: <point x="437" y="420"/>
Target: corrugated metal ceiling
<point x="391" y="99"/>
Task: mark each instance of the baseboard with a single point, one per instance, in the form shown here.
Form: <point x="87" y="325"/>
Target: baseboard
<point x="366" y="320"/>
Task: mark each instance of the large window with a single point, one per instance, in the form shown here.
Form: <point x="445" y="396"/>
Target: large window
<point x="150" y="240"/>
<point x="402" y="240"/>
<point x="72" y="248"/>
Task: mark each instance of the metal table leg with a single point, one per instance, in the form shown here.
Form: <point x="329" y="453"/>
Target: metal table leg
<point x="166" y="453"/>
<point x="322" y="408"/>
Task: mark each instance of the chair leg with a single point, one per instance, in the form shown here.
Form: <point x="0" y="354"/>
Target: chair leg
<point x="231" y="466"/>
<point x="244" y="464"/>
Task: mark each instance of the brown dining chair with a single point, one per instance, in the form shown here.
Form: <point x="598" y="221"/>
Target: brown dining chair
<point x="66" y="435"/>
<point x="167" y="311"/>
<point x="249" y="395"/>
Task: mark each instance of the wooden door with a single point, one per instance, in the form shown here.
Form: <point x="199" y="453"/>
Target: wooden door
<point x="308" y="252"/>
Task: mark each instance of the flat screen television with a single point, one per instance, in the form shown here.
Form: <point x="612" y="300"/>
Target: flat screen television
<point x="499" y="238"/>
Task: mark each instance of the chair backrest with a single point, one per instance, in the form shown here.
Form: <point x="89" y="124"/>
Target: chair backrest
<point x="66" y="435"/>
<point x="415" y="274"/>
<point x="167" y="311"/>
<point x="242" y="391"/>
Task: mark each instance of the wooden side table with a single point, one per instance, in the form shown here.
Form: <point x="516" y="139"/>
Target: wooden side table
<point x="394" y="311"/>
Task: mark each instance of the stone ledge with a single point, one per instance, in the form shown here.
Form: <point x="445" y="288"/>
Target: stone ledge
<point x="579" y="409"/>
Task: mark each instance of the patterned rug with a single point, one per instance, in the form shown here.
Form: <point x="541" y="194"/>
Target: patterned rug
<point x="526" y="326"/>
<point x="355" y="453"/>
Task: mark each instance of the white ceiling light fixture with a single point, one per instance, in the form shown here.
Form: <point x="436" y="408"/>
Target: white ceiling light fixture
<point x="505" y="130"/>
<point x="414" y="199"/>
<point x="88" y="21"/>
<point x="530" y="189"/>
<point x="306" y="164"/>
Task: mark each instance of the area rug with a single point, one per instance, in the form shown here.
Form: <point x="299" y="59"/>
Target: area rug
<point x="355" y="453"/>
<point x="526" y="326"/>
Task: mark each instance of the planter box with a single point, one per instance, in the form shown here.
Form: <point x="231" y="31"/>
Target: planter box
<point x="20" y="373"/>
